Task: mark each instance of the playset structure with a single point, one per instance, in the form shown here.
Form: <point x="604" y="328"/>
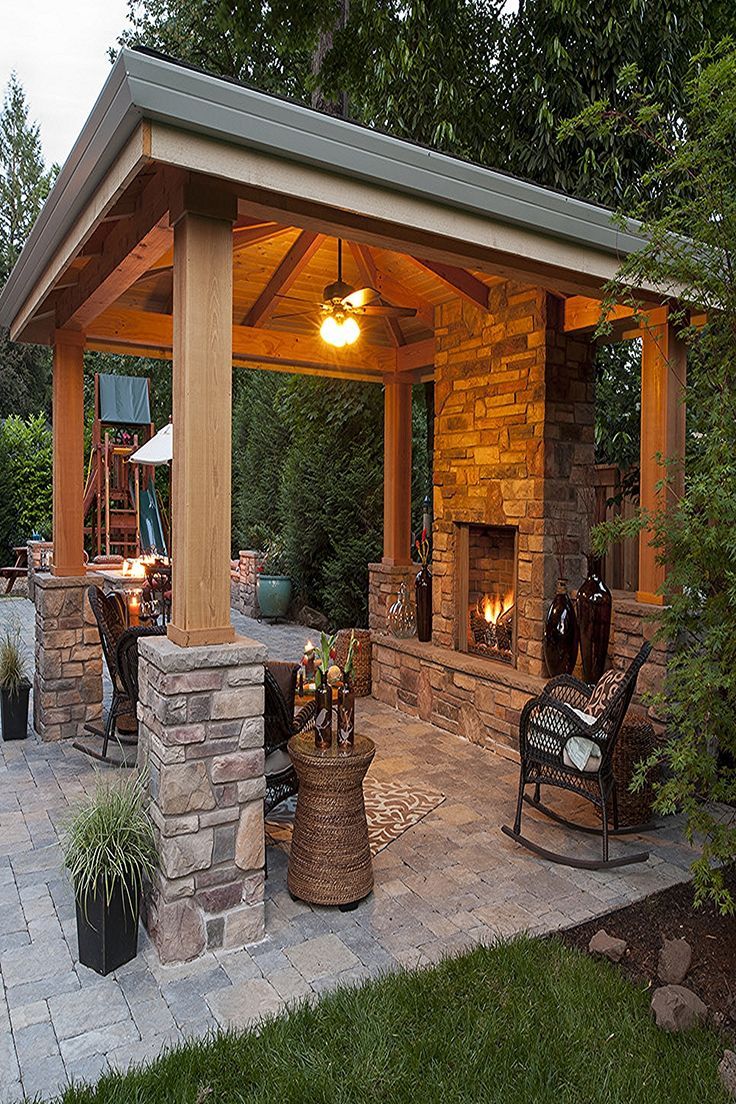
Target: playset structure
<point x="121" y="507"/>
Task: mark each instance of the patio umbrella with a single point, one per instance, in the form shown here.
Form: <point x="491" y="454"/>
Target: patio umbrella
<point x="157" y="451"/>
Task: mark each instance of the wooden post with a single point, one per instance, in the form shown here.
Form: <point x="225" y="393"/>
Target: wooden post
<point x="663" y="370"/>
<point x="68" y="460"/>
<point x="397" y="473"/>
<point x="202" y="416"/>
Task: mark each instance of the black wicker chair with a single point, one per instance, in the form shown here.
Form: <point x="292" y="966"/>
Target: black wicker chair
<point x="280" y="725"/>
<point x="547" y="724"/>
<point x="110" y="614"/>
<point x="127" y="657"/>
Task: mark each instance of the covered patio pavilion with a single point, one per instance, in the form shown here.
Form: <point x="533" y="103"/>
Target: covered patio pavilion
<point x="190" y="215"/>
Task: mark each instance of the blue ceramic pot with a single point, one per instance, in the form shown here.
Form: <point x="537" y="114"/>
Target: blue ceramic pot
<point x="274" y="594"/>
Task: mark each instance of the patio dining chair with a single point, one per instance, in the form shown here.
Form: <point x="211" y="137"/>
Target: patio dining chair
<point x="567" y="737"/>
<point x="280" y="725"/>
<point x="110" y="617"/>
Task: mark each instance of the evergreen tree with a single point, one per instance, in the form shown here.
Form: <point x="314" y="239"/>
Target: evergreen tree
<point x="24" y="185"/>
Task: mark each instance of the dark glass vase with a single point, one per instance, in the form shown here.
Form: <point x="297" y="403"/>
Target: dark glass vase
<point x="423" y="587"/>
<point x="345" y="714"/>
<point x="323" y="716"/>
<point x="561" y="633"/>
<point x="594" y="605"/>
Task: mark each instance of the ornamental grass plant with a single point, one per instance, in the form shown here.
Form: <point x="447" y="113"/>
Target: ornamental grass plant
<point x="13" y="667"/>
<point x="109" y="841"/>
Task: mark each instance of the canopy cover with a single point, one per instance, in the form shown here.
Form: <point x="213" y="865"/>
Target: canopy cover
<point x="158" y="450"/>
<point x="124" y="399"/>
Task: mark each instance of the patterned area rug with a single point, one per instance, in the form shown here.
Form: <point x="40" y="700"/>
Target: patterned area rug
<point x="390" y="808"/>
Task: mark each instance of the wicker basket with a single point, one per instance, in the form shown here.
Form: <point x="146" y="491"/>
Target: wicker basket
<point x="361" y="658"/>
<point x="636" y="741"/>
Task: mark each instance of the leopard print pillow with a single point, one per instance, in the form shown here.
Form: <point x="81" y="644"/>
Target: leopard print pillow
<point x="607" y="687"/>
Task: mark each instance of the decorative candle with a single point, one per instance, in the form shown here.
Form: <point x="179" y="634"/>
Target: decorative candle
<point x="134" y="610"/>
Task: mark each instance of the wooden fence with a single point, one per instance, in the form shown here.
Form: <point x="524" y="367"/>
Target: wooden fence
<point x="621" y="564"/>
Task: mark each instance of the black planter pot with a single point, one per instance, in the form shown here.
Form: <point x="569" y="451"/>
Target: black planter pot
<point x="561" y="633"/>
<point x="108" y="935"/>
<point x="14" y="713"/>
<point x="423" y="587"/>
<point x="594" y="605"/>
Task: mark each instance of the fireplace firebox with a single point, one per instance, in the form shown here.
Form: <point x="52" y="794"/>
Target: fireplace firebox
<point x="486" y="591"/>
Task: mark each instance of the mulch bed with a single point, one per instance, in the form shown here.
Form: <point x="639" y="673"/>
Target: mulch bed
<point x="671" y="915"/>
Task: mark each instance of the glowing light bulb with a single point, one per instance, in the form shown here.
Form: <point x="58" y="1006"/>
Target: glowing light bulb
<point x="339" y="330"/>
<point x="351" y="329"/>
<point x="331" y="332"/>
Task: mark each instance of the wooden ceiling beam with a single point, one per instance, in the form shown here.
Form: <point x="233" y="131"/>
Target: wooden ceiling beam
<point x="369" y="276"/>
<point x="467" y="286"/>
<point x="137" y="329"/>
<point x="243" y="236"/>
<point x="583" y="315"/>
<point x="291" y="265"/>
<point x="128" y="251"/>
<point x="395" y="292"/>
<point x="416" y="356"/>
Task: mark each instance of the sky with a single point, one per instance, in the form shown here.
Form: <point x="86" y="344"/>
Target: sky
<point x="58" y="48"/>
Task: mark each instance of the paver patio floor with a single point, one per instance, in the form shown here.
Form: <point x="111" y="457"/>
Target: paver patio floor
<point x="448" y="883"/>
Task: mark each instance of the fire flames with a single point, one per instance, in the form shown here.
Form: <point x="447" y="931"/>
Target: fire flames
<point x="492" y="607"/>
<point x="136" y="569"/>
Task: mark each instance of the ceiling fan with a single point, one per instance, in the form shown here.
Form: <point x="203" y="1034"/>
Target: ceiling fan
<point x="342" y="305"/>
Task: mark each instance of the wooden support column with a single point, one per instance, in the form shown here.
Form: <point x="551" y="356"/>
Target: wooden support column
<point x="202" y="416"/>
<point x="663" y="370"/>
<point x="397" y="473"/>
<point x="68" y="444"/>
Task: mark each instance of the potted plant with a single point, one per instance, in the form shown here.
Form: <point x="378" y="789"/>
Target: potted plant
<point x="273" y="585"/>
<point x="109" y="851"/>
<point x="14" y="687"/>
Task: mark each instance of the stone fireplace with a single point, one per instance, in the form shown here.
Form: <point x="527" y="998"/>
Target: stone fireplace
<point x="486" y="591"/>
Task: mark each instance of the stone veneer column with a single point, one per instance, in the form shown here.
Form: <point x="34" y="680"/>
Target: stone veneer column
<point x="67" y="682"/>
<point x="200" y="737"/>
<point x="247" y="600"/>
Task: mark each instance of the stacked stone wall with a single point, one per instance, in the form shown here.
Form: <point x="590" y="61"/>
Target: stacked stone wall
<point x="67" y="682"/>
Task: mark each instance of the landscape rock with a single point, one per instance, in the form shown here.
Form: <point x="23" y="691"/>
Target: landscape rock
<point x="676" y="1008"/>
<point x="675" y="960"/>
<point x="727" y="1072"/>
<point x="607" y="945"/>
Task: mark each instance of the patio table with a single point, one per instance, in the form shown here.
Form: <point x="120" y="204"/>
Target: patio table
<point x="330" y="859"/>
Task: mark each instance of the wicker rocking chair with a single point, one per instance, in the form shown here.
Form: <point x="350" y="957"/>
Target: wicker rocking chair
<point x="548" y="723"/>
<point x="280" y="726"/>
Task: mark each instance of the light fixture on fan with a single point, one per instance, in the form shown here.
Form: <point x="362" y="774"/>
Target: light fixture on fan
<point x="341" y="304"/>
<point x="339" y="328"/>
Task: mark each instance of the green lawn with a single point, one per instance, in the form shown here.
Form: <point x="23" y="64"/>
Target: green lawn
<point x="526" y="1022"/>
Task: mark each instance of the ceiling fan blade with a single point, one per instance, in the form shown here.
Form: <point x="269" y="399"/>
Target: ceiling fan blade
<point x="386" y="311"/>
<point x="362" y="297"/>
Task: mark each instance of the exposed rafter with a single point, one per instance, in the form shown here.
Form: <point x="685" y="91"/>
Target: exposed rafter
<point x="464" y="284"/>
<point x="244" y="236"/>
<point x="295" y="261"/>
<point x="127" y="252"/>
<point x="369" y="276"/>
<point x="583" y="314"/>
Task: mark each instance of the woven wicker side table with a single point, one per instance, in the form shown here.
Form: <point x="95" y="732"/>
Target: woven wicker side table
<point x="330" y="859"/>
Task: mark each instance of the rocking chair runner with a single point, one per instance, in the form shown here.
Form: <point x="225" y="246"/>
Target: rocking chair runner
<point x="280" y="725"/>
<point x="547" y="724"/>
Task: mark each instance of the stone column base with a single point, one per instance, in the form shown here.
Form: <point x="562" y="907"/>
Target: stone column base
<point x="67" y="682"/>
<point x="200" y="739"/>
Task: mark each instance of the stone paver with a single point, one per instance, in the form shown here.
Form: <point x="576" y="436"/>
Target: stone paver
<point x="448" y="884"/>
